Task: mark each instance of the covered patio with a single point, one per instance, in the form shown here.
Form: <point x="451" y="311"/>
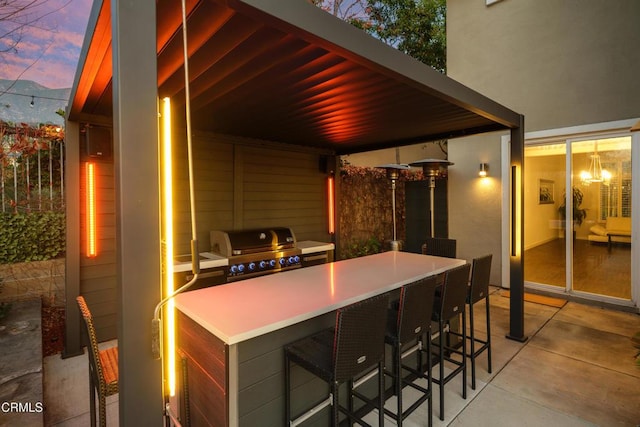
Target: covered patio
<point x="574" y="352"/>
<point x="281" y="75"/>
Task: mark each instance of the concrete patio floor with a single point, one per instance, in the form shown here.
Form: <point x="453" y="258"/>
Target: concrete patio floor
<point x="576" y="369"/>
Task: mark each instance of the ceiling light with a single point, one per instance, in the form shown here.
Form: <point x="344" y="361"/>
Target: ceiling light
<point x="595" y="173"/>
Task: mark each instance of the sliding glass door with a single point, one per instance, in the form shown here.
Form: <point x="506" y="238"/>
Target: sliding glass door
<point x="544" y="234"/>
<point x="578" y="216"/>
<point x="602" y="216"/>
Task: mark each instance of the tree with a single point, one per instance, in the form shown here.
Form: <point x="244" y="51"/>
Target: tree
<point x="416" y="27"/>
<point x="352" y="11"/>
<point x="18" y="18"/>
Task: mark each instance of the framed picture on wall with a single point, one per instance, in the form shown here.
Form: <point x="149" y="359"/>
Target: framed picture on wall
<point x="546" y="191"/>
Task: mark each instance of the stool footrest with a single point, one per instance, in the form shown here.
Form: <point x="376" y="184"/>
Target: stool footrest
<point x="311" y="412"/>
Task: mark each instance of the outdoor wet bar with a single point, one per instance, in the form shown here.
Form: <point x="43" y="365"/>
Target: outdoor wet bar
<point x="231" y="337"/>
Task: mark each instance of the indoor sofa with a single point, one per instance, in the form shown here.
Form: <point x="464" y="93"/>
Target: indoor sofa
<point x="618" y="227"/>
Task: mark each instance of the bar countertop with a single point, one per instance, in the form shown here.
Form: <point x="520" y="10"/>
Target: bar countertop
<point x="242" y="310"/>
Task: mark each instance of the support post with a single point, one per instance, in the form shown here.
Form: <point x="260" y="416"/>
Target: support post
<point x="137" y="187"/>
<point x="72" y="342"/>
<point x="516" y="236"/>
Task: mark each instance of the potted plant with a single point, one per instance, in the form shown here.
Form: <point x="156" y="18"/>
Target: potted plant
<point x="579" y="214"/>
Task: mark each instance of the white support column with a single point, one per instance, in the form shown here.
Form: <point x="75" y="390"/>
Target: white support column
<point x="635" y="215"/>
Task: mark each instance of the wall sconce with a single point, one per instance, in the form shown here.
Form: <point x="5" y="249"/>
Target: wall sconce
<point x="484" y="170"/>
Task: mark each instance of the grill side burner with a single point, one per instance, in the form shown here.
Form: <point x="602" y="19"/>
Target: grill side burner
<point x="256" y="252"/>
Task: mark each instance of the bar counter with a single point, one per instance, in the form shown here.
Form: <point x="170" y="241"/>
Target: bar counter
<point x="232" y="335"/>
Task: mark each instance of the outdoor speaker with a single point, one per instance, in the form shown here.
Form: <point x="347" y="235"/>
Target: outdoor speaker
<point x="98" y="142"/>
<point x="327" y="164"/>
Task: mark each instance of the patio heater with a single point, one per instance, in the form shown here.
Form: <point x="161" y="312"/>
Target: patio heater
<point x="393" y="173"/>
<point x="433" y="169"/>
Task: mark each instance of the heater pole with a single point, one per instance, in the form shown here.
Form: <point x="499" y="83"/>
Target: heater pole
<point x="393" y="206"/>
<point x="432" y="192"/>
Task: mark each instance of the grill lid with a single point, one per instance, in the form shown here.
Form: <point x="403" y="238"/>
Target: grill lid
<point x="241" y="242"/>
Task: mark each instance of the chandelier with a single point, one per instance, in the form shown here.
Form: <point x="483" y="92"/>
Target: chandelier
<point x="595" y="172"/>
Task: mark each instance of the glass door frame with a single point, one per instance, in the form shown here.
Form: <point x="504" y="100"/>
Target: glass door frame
<point x="570" y="135"/>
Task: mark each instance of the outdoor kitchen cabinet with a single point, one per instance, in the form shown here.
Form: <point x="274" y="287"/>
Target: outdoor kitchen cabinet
<point x="232" y="336"/>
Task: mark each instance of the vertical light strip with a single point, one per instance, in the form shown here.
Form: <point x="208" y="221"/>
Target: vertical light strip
<point x="167" y="220"/>
<point x="514" y="214"/>
<point x="331" y="204"/>
<point x="90" y="172"/>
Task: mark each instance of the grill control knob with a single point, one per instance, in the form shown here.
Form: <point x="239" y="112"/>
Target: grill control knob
<point x="272" y="263"/>
<point x="296" y="259"/>
<point x="234" y="269"/>
<point x="291" y="260"/>
<point x="283" y="261"/>
<point x="240" y="268"/>
<point x="262" y="264"/>
<point x="252" y="266"/>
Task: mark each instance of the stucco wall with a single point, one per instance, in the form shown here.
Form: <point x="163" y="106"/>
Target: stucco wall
<point x="475" y="204"/>
<point x="560" y="63"/>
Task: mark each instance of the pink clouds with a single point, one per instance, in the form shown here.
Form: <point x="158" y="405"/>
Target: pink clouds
<point x="48" y="51"/>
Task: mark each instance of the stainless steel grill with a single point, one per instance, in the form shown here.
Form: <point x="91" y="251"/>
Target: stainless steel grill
<point x="256" y="252"/>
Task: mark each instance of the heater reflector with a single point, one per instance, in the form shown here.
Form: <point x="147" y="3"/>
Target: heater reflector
<point x="331" y="204"/>
<point x="91" y="209"/>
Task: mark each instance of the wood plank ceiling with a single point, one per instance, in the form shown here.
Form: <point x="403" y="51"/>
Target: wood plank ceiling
<point x="257" y="75"/>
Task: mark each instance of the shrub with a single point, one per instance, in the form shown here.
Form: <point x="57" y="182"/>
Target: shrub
<point x="34" y="236"/>
<point x="358" y="248"/>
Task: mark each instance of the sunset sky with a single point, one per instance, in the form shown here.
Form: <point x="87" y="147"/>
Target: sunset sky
<point x="48" y="50"/>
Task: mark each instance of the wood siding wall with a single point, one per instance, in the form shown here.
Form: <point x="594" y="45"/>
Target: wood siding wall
<point x="207" y="377"/>
<point x="241" y="186"/>
<point x="97" y="274"/>
<point x="238" y="185"/>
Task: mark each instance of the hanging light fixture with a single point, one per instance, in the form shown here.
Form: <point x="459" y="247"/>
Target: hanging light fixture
<point x="595" y="172"/>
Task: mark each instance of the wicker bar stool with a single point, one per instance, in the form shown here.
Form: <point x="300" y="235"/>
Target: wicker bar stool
<point x="439" y="246"/>
<point x="339" y="355"/>
<point x="103" y="368"/>
<point x="450" y="303"/>
<point x="479" y="290"/>
<point x="408" y="325"/>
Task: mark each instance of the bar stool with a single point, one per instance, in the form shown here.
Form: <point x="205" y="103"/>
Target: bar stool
<point x="103" y="368"/>
<point x="479" y="290"/>
<point x="409" y="324"/>
<point x="439" y="246"/>
<point x="448" y="304"/>
<point x="341" y="354"/>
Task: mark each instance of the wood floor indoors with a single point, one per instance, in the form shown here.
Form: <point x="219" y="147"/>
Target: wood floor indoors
<point x="596" y="269"/>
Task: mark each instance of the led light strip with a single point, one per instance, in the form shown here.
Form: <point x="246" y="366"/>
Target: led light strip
<point x="167" y="220"/>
